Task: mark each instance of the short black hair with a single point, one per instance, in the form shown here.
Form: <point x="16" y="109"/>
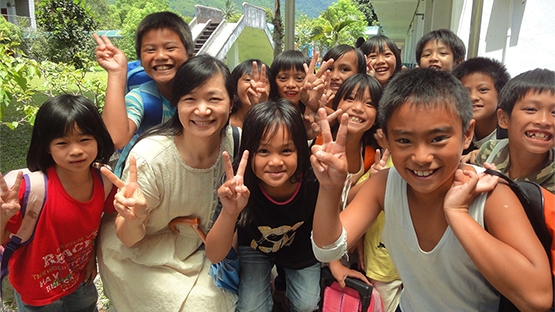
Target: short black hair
<point x="446" y="36"/>
<point x="56" y="118"/>
<point x="243" y="68"/>
<point x="164" y="20"/>
<point x="342" y="49"/>
<point x="536" y="80"/>
<point x="425" y="87"/>
<point x="378" y="44"/>
<point x="486" y="66"/>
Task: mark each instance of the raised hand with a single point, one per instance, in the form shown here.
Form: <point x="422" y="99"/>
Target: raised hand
<point x="329" y="160"/>
<point x="380" y="162"/>
<point x="467" y="184"/>
<point x="315" y="82"/>
<point x="258" y="91"/>
<point x="108" y="56"/>
<point x="129" y="201"/>
<point x="9" y="202"/>
<point x="233" y="194"/>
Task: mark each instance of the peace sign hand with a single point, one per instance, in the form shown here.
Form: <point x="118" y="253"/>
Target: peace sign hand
<point x="108" y="56"/>
<point x="257" y="92"/>
<point x="129" y="201"/>
<point x="9" y="202"/>
<point x="233" y="194"/>
<point x="329" y="160"/>
<point x="315" y="82"/>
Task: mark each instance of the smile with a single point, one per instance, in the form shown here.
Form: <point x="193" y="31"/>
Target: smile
<point x="356" y="119"/>
<point x="423" y="173"/>
<point x="162" y="67"/>
<point x="202" y="123"/>
<point x="538" y="136"/>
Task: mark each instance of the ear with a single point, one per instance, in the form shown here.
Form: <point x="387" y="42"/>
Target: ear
<point x="457" y="62"/>
<point x="469" y="134"/>
<point x="502" y="118"/>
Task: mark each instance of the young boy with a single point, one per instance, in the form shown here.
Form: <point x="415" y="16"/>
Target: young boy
<point x="440" y="49"/>
<point x="484" y="78"/>
<point x="435" y="226"/>
<point x="527" y="111"/>
<point x="163" y="42"/>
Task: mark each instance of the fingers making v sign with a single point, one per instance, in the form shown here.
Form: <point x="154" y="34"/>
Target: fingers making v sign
<point x="233" y="194"/>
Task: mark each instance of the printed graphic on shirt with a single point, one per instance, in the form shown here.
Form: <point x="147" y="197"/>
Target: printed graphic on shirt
<point x="273" y="240"/>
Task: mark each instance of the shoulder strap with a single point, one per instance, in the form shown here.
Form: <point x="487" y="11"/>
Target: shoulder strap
<point x="152" y="106"/>
<point x="136" y="75"/>
<point x="236" y="140"/>
<point x="496" y="149"/>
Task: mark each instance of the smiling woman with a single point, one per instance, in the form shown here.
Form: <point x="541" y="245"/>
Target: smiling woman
<point x="183" y="154"/>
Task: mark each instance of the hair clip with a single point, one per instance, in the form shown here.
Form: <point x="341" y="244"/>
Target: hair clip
<point x="99" y="165"/>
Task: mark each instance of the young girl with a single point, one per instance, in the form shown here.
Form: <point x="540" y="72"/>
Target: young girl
<point x="289" y="75"/>
<point x="251" y="80"/>
<point x="275" y="225"/>
<point x="144" y="265"/>
<point x="54" y="272"/>
<point x="383" y="58"/>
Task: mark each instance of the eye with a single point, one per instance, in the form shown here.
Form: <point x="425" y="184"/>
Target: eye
<point x="262" y="152"/>
<point x="439" y="139"/>
<point x="346" y="69"/>
<point x="483" y="90"/>
<point x="443" y="53"/>
<point x="529" y="109"/>
<point x="187" y="98"/>
<point x="282" y="78"/>
<point x="425" y="55"/>
<point x="369" y="104"/>
<point x="403" y="141"/>
<point x="300" y="78"/>
<point x="215" y="99"/>
<point x="372" y="56"/>
<point x="171" y="48"/>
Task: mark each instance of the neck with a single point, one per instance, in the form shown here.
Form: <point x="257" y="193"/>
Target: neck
<point x="484" y="127"/>
<point x="523" y="163"/>
<point x="239" y="116"/>
<point x="198" y="153"/>
<point x="353" y="152"/>
<point x="165" y="89"/>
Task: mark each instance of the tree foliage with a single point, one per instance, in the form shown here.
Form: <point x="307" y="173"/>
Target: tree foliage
<point x="366" y="7"/>
<point x="340" y="23"/>
<point x="68" y="25"/>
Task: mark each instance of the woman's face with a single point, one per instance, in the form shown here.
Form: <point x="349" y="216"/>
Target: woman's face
<point x="204" y="111"/>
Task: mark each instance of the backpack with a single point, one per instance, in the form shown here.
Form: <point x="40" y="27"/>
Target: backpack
<point x="534" y="199"/>
<point x="152" y="103"/>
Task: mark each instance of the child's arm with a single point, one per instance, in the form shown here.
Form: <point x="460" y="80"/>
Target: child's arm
<point x="120" y="127"/>
<point x="131" y="206"/>
<point x="234" y="196"/>
<point x="9" y="204"/>
<point x="330" y="167"/>
<point x="508" y="252"/>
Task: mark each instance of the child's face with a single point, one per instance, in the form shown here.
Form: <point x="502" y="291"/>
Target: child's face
<point x="426" y="145"/>
<point x="289" y="83"/>
<point x="362" y="112"/>
<point x="205" y="110"/>
<point x="383" y="63"/>
<point x="483" y="95"/>
<point x="531" y="124"/>
<point x="275" y="162"/>
<point x="243" y="86"/>
<point x="344" y="67"/>
<point x="162" y="53"/>
<point x="436" y="54"/>
<point x="74" y="152"/>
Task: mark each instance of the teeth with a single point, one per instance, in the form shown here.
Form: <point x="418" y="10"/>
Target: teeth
<point x="423" y="173"/>
<point x="379" y="70"/>
<point x="163" y="67"/>
<point x="202" y="122"/>
<point x="355" y="119"/>
<point x="538" y="136"/>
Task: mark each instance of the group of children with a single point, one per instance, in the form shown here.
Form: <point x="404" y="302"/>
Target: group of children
<point x="436" y="233"/>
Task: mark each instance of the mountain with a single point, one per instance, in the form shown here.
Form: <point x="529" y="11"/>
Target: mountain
<point x="312" y="8"/>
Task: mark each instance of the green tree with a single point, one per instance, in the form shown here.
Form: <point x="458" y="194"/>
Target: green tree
<point x="230" y="10"/>
<point x="341" y="22"/>
<point x="278" y="28"/>
<point x="69" y="25"/>
<point x="104" y="14"/>
<point x="366" y="7"/>
<point x="303" y="32"/>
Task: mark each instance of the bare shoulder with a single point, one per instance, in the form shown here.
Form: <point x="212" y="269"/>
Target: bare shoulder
<point x="373" y="190"/>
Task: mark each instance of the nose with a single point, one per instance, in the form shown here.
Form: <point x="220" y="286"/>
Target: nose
<point x="75" y="150"/>
<point x="545" y="118"/>
<point x="473" y="95"/>
<point x="275" y="160"/>
<point x="433" y="56"/>
<point x="290" y="83"/>
<point x="422" y="155"/>
<point x="380" y="58"/>
<point x="202" y="108"/>
<point x="161" y="54"/>
<point x="334" y="75"/>
<point x="357" y="106"/>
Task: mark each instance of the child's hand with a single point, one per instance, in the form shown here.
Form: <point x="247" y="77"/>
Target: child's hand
<point x="470" y="157"/>
<point x="466" y="185"/>
<point x="233" y="194"/>
<point x="340" y="273"/>
<point x="380" y="163"/>
<point x="129" y="201"/>
<point x="380" y="138"/>
<point x="329" y="160"/>
<point x="9" y="202"/>
<point x="257" y="92"/>
<point x="314" y="83"/>
<point x="108" y="56"/>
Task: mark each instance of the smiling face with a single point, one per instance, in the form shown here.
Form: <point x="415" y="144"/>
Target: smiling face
<point x="436" y="54"/>
<point x="275" y="162"/>
<point x="344" y="67"/>
<point x="531" y="124"/>
<point x="289" y="83"/>
<point x="426" y="145"/>
<point x="162" y="53"/>
<point x="205" y="110"/>
<point x="383" y="63"/>
<point x="243" y="86"/>
<point x="362" y="113"/>
<point x="74" y="152"/>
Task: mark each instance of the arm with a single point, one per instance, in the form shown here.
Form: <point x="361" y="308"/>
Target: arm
<point x="507" y="250"/>
<point x="234" y="196"/>
<point x="131" y="206"/>
<point x="114" y="115"/>
<point x="9" y="204"/>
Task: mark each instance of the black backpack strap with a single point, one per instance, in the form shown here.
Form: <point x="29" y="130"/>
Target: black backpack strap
<point x="236" y="140"/>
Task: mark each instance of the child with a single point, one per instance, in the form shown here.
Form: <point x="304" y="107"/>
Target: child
<point x="526" y="110"/>
<point x="144" y="265"/>
<point x="440" y="49"/>
<point x="347" y="61"/>
<point x="56" y="269"/>
<point x="484" y="78"/>
<point x="276" y="219"/>
<point x="435" y="229"/>
<point x="163" y="42"/>
<point x="289" y="75"/>
<point x="383" y="58"/>
<point x="252" y="86"/>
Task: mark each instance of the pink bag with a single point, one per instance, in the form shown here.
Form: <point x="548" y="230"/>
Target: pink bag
<point x="348" y="299"/>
